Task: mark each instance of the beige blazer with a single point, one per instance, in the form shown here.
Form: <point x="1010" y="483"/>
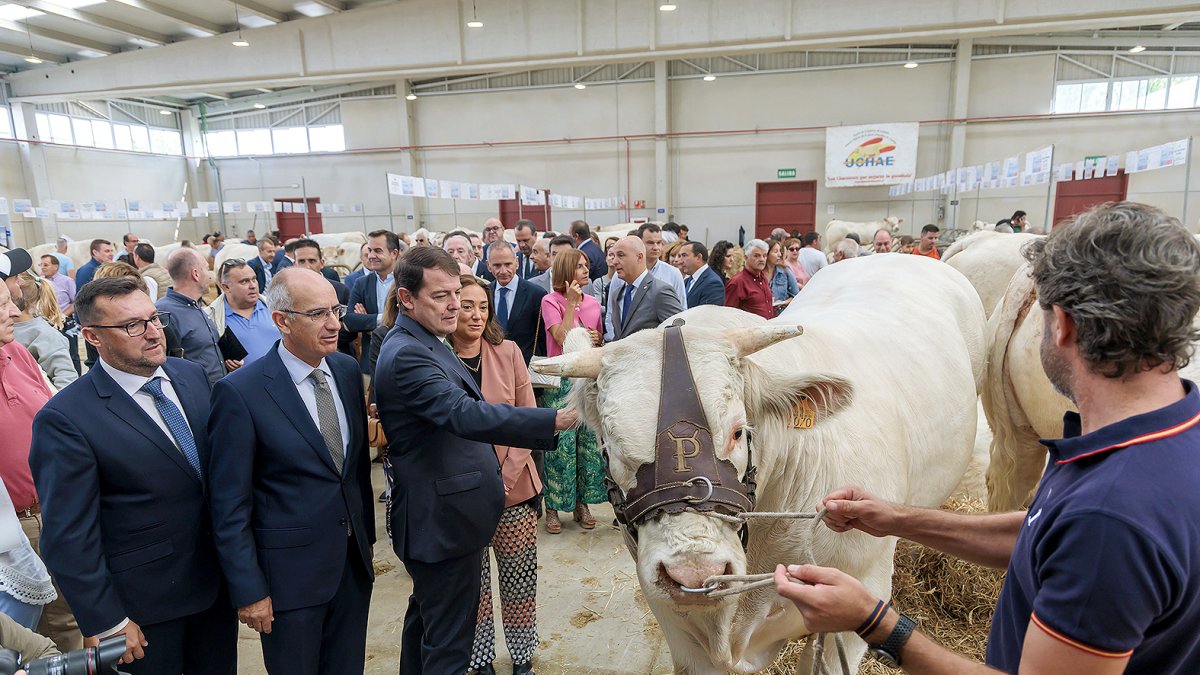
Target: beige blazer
<point x="506" y="380"/>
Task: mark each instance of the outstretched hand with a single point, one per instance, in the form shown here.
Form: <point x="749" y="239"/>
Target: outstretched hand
<point x="852" y="508"/>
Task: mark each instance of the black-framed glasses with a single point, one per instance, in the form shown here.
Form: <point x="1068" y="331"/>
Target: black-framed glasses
<point x="138" y="327"/>
<point x="321" y="314"/>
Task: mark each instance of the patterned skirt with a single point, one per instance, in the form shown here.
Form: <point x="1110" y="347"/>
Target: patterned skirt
<point x="575" y="468"/>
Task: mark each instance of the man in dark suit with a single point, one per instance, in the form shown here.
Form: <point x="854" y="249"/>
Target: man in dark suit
<point x="517" y="303"/>
<point x="291" y="488"/>
<point x="308" y="255"/>
<point x="493" y="231"/>
<point x="263" y="262"/>
<point x="582" y="235"/>
<point x="359" y="273"/>
<point x="126" y="529"/>
<point x="703" y="285"/>
<point x="448" y="492"/>
<point x="282" y="261"/>
<point x="370" y="292"/>
<point x="526" y="236"/>
<point x="642" y="301"/>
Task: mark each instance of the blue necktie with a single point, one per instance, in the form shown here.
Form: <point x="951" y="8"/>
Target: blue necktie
<point x="175" y="422"/>
<point x="687" y="285"/>
<point x="502" y="308"/>
<point x="626" y="303"/>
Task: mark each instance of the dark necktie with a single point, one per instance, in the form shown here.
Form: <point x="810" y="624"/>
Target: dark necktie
<point x="626" y="303"/>
<point x="687" y="285"/>
<point x="502" y="308"/>
<point x="327" y="417"/>
<point x="175" y="423"/>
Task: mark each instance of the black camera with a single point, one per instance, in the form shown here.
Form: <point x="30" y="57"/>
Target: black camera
<point x="86" y="661"/>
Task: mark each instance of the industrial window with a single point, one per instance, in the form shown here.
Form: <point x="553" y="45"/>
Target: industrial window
<point x="290" y="140"/>
<point x="101" y="133"/>
<point x="261" y="141"/>
<point x="1125" y="94"/>
<point x="327" y="139"/>
<point x="6" y="129"/>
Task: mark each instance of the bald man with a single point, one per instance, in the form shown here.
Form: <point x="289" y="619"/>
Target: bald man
<point x="197" y="334"/>
<point x="637" y="299"/>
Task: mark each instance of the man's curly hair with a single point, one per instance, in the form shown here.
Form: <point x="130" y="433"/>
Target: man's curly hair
<point x="1128" y="275"/>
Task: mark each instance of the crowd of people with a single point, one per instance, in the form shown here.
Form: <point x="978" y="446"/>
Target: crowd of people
<point x="226" y="440"/>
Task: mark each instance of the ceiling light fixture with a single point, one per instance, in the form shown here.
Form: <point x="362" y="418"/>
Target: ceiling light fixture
<point x="32" y="58"/>
<point x="911" y="64"/>
<point x="474" y="22"/>
<point x="1137" y="49"/>
<point x="580" y="85"/>
<point x="260" y="106"/>
<point x="667" y="7"/>
<point x="240" y="41"/>
<point x="164" y="112"/>
<point x="710" y="78"/>
<point x="411" y="97"/>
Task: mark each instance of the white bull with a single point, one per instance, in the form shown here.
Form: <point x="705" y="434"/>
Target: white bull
<point x="901" y="430"/>
<point x="837" y="230"/>
<point x="988" y="260"/>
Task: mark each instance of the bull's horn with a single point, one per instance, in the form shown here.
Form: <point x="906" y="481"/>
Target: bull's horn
<point x="750" y="339"/>
<point x="577" y="364"/>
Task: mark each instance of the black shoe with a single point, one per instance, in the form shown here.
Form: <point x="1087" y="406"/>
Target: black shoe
<point x="523" y="669"/>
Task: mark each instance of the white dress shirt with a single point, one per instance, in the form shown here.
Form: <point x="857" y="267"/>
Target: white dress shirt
<point x="300" y="373"/>
<point x="132" y="384"/>
<point x="670" y="276"/>
<point x="151" y="287"/>
<point x="694" y="276"/>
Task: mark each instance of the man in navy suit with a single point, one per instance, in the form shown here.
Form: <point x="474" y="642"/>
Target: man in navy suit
<point x="517" y="303"/>
<point x="126" y="529"/>
<point x="359" y="273"/>
<point x="448" y="492"/>
<point x="262" y="263"/>
<point x="703" y="285"/>
<point x="369" y="293"/>
<point x="308" y="255"/>
<point x="526" y="236"/>
<point x="292" y="506"/>
<point x="582" y="235"/>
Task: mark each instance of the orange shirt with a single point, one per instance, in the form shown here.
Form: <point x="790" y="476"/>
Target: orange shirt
<point x="932" y="253"/>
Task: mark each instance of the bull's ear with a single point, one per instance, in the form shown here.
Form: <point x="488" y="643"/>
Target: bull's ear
<point x="801" y="401"/>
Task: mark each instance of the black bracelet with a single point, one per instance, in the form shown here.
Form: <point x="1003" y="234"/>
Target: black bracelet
<point x="870" y="619"/>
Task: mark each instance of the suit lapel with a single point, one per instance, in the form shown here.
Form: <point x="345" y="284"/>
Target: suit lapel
<point x="441" y="354"/>
<point x="638" y="296"/>
<point x="283" y="391"/>
<point x="194" y="403"/>
<point x="353" y="407"/>
<point x="127" y="410"/>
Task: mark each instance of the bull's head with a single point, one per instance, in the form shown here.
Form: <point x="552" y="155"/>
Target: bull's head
<point x="618" y="394"/>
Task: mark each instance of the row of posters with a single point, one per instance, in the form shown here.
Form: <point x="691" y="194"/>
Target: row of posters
<point x="429" y="188"/>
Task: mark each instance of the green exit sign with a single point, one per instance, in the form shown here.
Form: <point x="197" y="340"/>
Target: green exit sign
<point x="785" y="173"/>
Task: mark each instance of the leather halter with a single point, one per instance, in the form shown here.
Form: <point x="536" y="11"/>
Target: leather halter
<point x="686" y="473"/>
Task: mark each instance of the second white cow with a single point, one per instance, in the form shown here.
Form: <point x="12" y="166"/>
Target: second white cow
<point x="836" y="230"/>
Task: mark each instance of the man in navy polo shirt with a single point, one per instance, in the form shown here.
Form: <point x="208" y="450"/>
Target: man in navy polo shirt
<point x="1104" y="567"/>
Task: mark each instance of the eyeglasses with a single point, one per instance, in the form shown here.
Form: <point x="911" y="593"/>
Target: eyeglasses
<point x="322" y="314"/>
<point x="793" y="248"/>
<point x="138" y="327"/>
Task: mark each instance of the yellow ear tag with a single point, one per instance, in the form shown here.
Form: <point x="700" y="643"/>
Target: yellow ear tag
<point x="804" y="415"/>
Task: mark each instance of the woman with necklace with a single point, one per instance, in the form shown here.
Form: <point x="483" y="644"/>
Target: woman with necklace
<point x="499" y="369"/>
<point x="575" y="467"/>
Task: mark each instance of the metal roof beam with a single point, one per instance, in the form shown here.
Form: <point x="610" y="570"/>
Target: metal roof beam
<point x="23" y="50"/>
<point x="335" y="5"/>
<point x="295" y="95"/>
<point x="65" y="38"/>
<point x="95" y="20"/>
<point x="262" y="11"/>
<point x="176" y="15"/>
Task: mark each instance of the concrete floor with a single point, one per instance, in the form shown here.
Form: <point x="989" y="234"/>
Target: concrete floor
<point x="591" y="615"/>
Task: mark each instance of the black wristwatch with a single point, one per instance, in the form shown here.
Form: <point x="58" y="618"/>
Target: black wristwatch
<point x="888" y="652"/>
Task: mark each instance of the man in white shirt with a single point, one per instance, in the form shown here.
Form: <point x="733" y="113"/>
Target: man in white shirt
<point x="812" y="258"/>
<point x="652" y="237"/>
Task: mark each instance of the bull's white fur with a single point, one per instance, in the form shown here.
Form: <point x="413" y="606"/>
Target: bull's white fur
<point x="836" y="230"/>
<point x="902" y="430"/>
<point x="988" y="260"/>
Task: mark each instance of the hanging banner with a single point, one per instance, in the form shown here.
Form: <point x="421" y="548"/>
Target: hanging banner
<point x="432" y="190"/>
<point x="489" y="191"/>
<point x="875" y="154"/>
<point x="531" y="196"/>
<point x="1064" y="172"/>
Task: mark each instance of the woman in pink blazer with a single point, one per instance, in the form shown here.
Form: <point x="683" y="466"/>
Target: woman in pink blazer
<point x="500" y="371"/>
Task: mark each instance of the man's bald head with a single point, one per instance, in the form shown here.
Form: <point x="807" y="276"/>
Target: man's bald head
<point x="629" y="255"/>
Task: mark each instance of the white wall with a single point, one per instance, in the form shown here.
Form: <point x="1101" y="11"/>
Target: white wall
<point x="713" y="178"/>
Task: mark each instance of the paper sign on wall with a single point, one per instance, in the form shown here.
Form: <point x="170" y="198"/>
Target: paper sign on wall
<point x="875" y="154"/>
<point x="490" y="191"/>
<point x="431" y="189"/>
<point x="531" y="196"/>
<point x="1113" y="165"/>
<point x="406" y="186"/>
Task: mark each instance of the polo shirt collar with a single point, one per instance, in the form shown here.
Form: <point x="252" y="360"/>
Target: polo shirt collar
<point x="1155" y="425"/>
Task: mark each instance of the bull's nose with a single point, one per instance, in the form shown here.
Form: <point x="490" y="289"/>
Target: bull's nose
<point x="692" y="574"/>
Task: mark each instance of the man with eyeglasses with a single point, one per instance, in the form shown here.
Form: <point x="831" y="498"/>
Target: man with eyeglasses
<point x="493" y="231"/>
<point x="119" y="458"/>
<point x="291" y="487"/>
<point x="198" y="335"/>
<point x="241" y="311"/>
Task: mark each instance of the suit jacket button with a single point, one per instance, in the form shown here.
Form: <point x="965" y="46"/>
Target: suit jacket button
<point x="342" y="522"/>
